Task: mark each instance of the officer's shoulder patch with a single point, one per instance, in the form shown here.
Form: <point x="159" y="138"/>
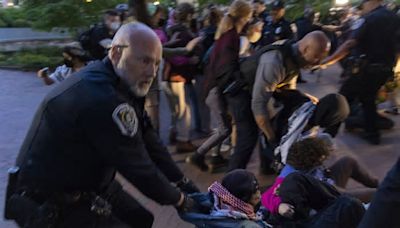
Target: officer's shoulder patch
<point x="357" y="24"/>
<point x="126" y="119"/>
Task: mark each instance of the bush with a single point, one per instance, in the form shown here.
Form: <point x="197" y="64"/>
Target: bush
<point x="21" y="23"/>
<point x="13" y="17"/>
<point x="2" y="23"/>
<point x="32" y="59"/>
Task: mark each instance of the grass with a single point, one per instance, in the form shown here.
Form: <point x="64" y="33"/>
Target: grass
<point x="32" y="59"/>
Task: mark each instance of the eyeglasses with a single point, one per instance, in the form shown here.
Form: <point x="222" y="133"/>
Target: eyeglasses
<point x="120" y="46"/>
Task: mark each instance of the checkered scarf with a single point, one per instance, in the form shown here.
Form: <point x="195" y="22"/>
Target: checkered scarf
<point x="226" y="201"/>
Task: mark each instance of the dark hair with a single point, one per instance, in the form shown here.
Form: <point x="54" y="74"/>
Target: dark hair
<point x="112" y="12"/>
<point x="214" y="16"/>
<point x="76" y="52"/>
<point x="182" y="11"/>
<point x="307" y="153"/>
<point x="241" y="183"/>
<point x="259" y="2"/>
<point x="159" y="9"/>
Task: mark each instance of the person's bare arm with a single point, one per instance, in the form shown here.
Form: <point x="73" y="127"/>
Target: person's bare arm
<point x="340" y="53"/>
<point x="269" y="75"/>
<point x="44" y="75"/>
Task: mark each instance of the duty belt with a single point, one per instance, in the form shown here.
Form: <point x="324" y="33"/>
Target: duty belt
<point x="97" y="203"/>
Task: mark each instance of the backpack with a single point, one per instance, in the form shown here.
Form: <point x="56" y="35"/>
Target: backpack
<point x="248" y="65"/>
<point x="84" y="39"/>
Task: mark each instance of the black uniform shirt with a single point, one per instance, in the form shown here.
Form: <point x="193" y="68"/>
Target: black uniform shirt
<point x="97" y="34"/>
<point x="87" y="128"/>
<point x="376" y="34"/>
<point x="276" y="31"/>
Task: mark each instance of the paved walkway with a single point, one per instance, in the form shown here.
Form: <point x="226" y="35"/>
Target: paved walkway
<point x="24" y="34"/>
<point x="21" y="93"/>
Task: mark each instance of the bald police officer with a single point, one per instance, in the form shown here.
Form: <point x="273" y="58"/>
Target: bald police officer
<point x="87" y="129"/>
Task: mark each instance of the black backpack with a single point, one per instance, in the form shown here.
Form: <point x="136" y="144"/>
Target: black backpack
<point x="84" y="39"/>
<point x="248" y="65"/>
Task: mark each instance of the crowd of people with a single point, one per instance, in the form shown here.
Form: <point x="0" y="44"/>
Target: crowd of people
<point x="229" y="74"/>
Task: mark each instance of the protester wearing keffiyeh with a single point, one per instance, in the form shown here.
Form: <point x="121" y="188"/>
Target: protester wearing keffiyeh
<point x="234" y="196"/>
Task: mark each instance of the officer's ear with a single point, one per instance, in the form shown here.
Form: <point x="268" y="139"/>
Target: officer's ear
<point x="303" y="49"/>
<point x="115" y="54"/>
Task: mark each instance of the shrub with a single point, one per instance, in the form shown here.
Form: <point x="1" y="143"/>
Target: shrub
<point x="13" y="17"/>
<point x="33" y="59"/>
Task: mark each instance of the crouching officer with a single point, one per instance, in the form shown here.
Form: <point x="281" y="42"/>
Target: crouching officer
<point x="278" y="70"/>
<point x="88" y="128"/>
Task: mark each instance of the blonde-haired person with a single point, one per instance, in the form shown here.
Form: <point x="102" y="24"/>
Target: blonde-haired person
<point x="222" y="70"/>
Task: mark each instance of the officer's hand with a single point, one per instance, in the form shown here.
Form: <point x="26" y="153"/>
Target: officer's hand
<point x="187" y="186"/>
<point x="313" y="99"/>
<point x="185" y="204"/>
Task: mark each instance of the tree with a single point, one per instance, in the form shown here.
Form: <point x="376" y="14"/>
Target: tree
<point x="73" y="14"/>
<point x="295" y="8"/>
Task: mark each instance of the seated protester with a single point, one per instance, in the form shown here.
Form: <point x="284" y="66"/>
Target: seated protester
<point x="232" y="203"/>
<point x="75" y="59"/>
<point x="322" y="185"/>
<point x="308" y="202"/>
<point x="296" y="116"/>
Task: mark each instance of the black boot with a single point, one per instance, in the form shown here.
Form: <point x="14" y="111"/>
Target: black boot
<point x="197" y="160"/>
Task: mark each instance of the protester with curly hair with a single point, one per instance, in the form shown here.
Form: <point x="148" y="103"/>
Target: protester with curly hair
<point x="306" y="157"/>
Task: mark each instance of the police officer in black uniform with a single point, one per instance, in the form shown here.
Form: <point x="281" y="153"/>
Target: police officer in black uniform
<point x="260" y="10"/>
<point x="97" y="39"/>
<point x="276" y="26"/>
<point x="376" y="44"/>
<point x="87" y="129"/>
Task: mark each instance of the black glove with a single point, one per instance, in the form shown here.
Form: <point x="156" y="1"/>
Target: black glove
<point x="187" y="205"/>
<point x="187" y="186"/>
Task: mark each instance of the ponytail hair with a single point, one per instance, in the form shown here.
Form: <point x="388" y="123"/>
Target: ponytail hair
<point x="237" y="10"/>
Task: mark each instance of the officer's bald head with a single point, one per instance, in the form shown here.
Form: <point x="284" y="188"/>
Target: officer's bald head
<point x="135" y="54"/>
<point x="314" y="47"/>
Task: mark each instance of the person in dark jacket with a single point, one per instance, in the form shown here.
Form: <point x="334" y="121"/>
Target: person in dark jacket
<point x="92" y="126"/>
<point x="303" y="185"/>
<point x="375" y="40"/>
<point x="97" y="39"/>
<point x="223" y="69"/>
<point x="260" y="10"/>
<point x="276" y="26"/>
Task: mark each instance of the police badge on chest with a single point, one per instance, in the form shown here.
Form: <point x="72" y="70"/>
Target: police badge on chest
<point x="126" y="119"/>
